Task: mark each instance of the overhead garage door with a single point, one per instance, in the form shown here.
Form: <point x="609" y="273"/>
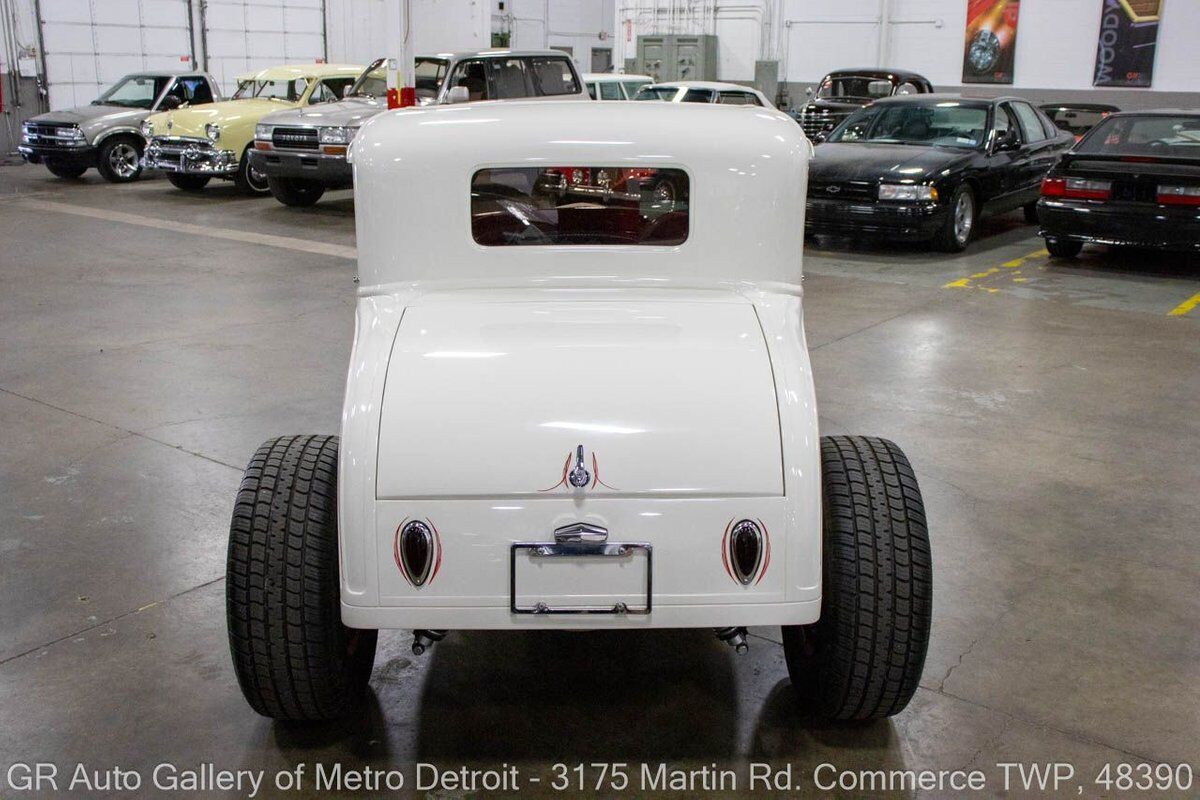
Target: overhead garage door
<point x="245" y="35"/>
<point x="91" y="43"/>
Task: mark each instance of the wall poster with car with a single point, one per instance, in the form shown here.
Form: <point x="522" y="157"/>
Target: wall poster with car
<point x="1127" y="42"/>
<point x="991" y="41"/>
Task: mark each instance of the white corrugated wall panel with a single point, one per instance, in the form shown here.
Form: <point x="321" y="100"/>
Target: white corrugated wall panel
<point x="92" y="43"/>
<point x="244" y="35"/>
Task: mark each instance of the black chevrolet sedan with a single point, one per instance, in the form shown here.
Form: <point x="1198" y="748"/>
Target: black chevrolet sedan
<point x="925" y="167"/>
<point x="1134" y="180"/>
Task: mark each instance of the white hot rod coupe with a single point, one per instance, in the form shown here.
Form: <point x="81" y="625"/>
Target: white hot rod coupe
<point x="585" y="409"/>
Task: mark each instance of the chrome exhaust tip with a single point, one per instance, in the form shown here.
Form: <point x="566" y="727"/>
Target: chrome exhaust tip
<point x="423" y="640"/>
<point x="735" y="638"/>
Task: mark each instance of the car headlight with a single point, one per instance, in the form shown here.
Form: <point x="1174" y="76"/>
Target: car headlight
<point x="213" y="131"/>
<point x="75" y="133"/>
<point x="336" y="135"/>
<point x="147" y="128"/>
<point x="906" y="191"/>
<point x="262" y="132"/>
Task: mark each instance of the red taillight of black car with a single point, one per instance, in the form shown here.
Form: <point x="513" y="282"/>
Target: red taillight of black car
<point x="1169" y="195"/>
<point x="1076" y="188"/>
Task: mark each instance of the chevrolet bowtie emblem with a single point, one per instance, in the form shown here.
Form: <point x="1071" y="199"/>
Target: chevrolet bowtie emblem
<point x="833" y="189"/>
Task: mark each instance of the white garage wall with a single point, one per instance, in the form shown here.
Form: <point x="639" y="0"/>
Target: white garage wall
<point x="246" y="35"/>
<point x="91" y="43"/>
<point x="1056" y="41"/>
<point x="357" y="29"/>
<point x="581" y="25"/>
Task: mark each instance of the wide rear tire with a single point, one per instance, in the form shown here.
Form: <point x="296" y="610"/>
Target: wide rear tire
<point x="863" y="659"/>
<point x="65" y="170"/>
<point x="294" y="658"/>
<point x="1063" y="248"/>
<point x="186" y="182"/>
<point x="294" y="192"/>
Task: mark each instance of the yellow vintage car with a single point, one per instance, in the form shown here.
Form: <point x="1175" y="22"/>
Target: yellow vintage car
<point x="195" y="145"/>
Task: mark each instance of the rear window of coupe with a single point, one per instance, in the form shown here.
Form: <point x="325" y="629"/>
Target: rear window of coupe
<point x="1150" y="135"/>
<point x="579" y="205"/>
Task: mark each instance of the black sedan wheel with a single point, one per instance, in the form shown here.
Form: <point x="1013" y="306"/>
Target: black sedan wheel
<point x="65" y="169"/>
<point x="1063" y="248"/>
<point x="956" y="231"/>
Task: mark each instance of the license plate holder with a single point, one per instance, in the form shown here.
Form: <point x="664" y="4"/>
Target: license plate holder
<point x="580" y="552"/>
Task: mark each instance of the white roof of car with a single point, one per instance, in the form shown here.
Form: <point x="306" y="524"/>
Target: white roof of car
<point x="494" y="53"/>
<point x="746" y="180"/>
<point x="714" y="85"/>
<point x="614" y="77"/>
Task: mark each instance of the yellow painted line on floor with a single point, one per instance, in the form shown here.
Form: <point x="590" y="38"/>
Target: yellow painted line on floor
<point x="1185" y="306"/>
<point x="965" y="282"/>
<point x="229" y="234"/>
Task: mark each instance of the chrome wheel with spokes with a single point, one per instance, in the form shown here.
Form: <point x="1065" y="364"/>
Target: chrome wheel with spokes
<point x="959" y="222"/>
<point x="119" y="160"/>
<point x="250" y="179"/>
<point x="964" y="218"/>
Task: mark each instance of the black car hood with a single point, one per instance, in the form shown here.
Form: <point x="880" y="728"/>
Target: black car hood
<point x="834" y="163"/>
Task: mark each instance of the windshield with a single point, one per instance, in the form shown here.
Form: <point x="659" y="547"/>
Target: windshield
<point x="429" y="74"/>
<point x="656" y="93"/>
<point x="930" y="124"/>
<point x="133" y="91"/>
<point x="1175" y="136"/>
<point x="579" y="205"/>
<point x="291" y="90"/>
<point x="858" y="87"/>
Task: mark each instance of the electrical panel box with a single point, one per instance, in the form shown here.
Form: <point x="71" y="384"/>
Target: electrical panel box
<point x="677" y="57"/>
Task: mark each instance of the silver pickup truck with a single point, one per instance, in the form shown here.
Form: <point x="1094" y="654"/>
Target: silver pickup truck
<point x="303" y="151"/>
<point x="105" y="134"/>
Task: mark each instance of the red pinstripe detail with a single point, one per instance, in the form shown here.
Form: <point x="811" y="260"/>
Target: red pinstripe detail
<point x="563" y="479"/>
<point x="437" y="538"/>
<point x="767" y="557"/>
<point x="725" y="553"/>
<point x="596" y="473"/>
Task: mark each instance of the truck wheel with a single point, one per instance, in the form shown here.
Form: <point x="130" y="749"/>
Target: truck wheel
<point x="119" y="159"/>
<point x="65" y="170"/>
<point x="863" y="659"/>
<point x="188" y="183"/>
<point x="293" y="192"/>
<point x="1063" y="248"/>
<point x="250" y="180"/>
<point x="294" y="658"/>
<point x="959" y="226"/>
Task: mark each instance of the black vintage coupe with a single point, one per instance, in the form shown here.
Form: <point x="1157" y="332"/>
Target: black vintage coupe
<point x="925" y="167"/>
<point x="844" y="91"/>
<point x="1133" y="180"/>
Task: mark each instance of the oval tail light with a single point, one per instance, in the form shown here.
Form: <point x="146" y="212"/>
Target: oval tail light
<point x="416" y="549"/>
<point x="746" y="550"/>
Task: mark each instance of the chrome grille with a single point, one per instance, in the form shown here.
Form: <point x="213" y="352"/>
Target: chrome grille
<point x="295" y="138"/>
<point x="856" y="191"/>
<point x="817" y="122"/>
<point x="41" y="133"/>
<point x="178" y="145"/>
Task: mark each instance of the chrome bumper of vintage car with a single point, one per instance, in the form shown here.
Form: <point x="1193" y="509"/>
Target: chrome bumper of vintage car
<point x="193" y="156"/>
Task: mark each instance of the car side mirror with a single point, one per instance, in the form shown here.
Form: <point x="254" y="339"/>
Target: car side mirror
<point x="458" y="94"/>
<point x="1006" y="141"/>
<point x="170" y="103"/>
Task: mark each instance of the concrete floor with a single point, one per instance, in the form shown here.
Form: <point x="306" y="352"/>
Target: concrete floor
<point x="149" y="340"/>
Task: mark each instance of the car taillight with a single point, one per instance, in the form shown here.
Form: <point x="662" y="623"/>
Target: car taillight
<point x="1076" y="188"/>
<point x="1179" y="195"/>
